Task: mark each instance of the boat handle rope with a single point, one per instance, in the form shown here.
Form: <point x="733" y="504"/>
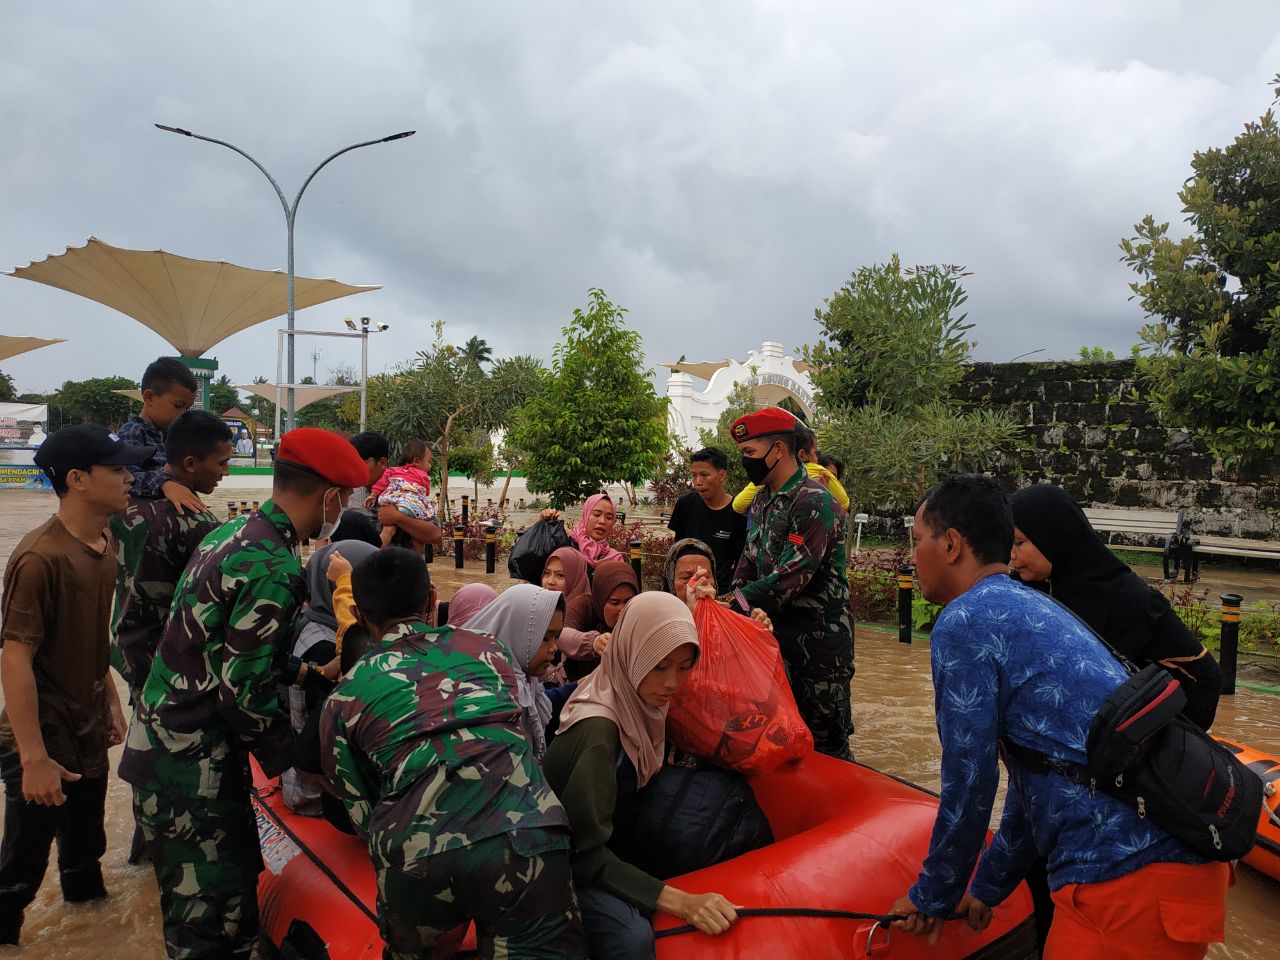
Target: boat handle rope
<point x="880" y="919"/>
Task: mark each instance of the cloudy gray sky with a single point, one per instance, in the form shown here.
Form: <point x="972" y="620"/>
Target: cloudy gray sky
<point x="717" y="167"/>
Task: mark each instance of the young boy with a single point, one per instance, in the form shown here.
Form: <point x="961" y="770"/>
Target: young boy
<point x="168" y="388"/>
<point x="61" y="707"/>
<point x="422" y="739"/>
<point x="212" y="697"/>
<point x="706" y="513"/>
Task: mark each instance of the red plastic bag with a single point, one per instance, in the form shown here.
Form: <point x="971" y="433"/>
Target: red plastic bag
<point x="736" y="708"/>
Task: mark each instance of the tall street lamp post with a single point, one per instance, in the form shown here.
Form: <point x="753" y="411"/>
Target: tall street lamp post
<point x="290" y="212"/>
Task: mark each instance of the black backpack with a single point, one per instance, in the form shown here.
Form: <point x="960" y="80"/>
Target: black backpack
<point x="1144" y="752"/>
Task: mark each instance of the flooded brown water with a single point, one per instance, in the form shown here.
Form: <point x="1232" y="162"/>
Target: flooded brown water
<point x="893" y="710"/>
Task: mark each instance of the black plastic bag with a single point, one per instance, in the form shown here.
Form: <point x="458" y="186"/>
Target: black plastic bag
<point x="530" y="551"/>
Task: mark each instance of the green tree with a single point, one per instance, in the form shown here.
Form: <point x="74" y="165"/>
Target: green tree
<point x="8" y="392"/>
<point x="516" y="381"/>
<point x="599" y="419"/>
<point x="894" y="347"/>
<point x="1095" y="355"/>
<point x="892" y="335"/>
<point x="95" y="400"/>
<point x="223" y="395"/>
<point x="1211" y="359"/>
<point x="477" y="351"/>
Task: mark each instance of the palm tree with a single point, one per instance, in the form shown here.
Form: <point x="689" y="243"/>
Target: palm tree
<point x="477" y="351"/>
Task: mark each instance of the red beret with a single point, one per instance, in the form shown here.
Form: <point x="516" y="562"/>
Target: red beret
<point x="325" y="454"/>
<point x="768" y="420"/>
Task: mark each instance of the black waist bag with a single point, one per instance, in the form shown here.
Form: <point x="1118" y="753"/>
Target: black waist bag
<point x="1143" y="751"/>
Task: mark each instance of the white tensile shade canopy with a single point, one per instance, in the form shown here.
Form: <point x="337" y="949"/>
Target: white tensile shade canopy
<point x="12" y="346"/>
<point x="192" y="304"/>
<point x="304" y="393"/>
<point x="706" y="369"/>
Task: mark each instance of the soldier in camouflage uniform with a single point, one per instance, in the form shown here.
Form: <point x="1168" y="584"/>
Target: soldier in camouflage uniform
<point x="154" y="541"/>
<point x="423" y="741"/>
<point x="211" y="698"/>
<point x="794" y="568"/>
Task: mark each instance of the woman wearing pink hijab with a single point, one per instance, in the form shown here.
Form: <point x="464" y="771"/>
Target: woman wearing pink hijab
<point x="591" y="533"/>
<point x="611" y="742"/>
<point x="468" y="601"/>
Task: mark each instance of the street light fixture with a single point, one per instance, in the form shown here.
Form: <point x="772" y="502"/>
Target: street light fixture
<point x="362" y="335"/>
<point x="290" y="212"/>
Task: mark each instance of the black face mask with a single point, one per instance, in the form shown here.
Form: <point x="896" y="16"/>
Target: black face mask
<point x="757" y="468"/>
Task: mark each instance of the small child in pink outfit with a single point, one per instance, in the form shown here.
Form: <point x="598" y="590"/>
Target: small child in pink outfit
<point x="407" y="487"/>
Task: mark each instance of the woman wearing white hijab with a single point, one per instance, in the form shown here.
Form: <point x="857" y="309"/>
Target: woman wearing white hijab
<point x="528" y="620"/>
<point x="611" y="742"/>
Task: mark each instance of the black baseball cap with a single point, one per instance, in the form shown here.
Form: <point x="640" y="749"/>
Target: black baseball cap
<point x="87" y="445"/>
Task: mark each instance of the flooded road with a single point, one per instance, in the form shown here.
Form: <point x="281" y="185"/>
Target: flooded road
<point x="893" y="710"/>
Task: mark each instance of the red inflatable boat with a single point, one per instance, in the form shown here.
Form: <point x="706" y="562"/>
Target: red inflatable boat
<point x="847" y="838"/>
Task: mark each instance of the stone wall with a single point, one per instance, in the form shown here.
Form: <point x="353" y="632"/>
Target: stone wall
<point x="1089" y="428"/>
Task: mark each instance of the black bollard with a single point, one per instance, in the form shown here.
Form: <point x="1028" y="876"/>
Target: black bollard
<point x="490" y="548"/>
<point x="428" y="553"/>
<point x="1229" y="644"/>
<point x="244" y="506"/>
<point x="637" y="560"/>
<point x="466" y="508"/>
<point x="906" y="579"/>
<point x="622" y="518"/>
<point x="231" y="509"/>
<point x="458" y="530"/>
<point x="257" y="504"/>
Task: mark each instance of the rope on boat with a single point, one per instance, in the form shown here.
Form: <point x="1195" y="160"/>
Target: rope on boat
<point x="884" y="919"/>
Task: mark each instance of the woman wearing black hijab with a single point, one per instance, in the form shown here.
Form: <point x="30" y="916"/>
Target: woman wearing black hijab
<point x="1056" y="550"/>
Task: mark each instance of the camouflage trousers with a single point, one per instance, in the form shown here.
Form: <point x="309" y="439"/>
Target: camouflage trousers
<point x="820" y="667"/>
<point x="206" y="858"/>
<point x="517" y="887"/>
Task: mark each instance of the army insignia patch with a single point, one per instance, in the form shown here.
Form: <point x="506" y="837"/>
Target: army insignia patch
<point x="796" y="539"/>
<point x="739" y="431"/>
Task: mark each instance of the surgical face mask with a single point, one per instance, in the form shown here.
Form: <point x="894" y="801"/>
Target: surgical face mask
<point x="757" y="468"/>
<point x="327" y="526"/>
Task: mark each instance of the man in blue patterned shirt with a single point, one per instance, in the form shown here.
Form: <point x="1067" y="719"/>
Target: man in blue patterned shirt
<point x="168" y="388"/>
<point x="1012" y="666"/>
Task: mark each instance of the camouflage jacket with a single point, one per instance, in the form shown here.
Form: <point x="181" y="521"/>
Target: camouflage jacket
<point x="422" y="738"/>
<point x="149" y="478"/>
<point x="793" y="566"/>
<point x="153" y="544"/>
<point x="212" y="694"/>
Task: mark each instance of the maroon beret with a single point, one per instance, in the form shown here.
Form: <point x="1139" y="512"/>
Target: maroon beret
<point x="762" y="422"/>
<point x="325" y="454"/>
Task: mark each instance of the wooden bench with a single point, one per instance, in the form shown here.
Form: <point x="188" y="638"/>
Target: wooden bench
<point x="1165" y="525"/>
<point x="1231" y="547"/>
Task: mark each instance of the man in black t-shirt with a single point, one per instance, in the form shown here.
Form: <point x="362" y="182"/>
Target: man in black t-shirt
<point x="706" y="513"/>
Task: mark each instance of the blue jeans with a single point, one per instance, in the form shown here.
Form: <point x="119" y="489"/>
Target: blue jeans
<point x="615" y="929"/>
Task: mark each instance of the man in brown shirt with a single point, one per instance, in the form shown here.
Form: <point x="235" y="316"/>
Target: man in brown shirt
<point x="61" y="707"/>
